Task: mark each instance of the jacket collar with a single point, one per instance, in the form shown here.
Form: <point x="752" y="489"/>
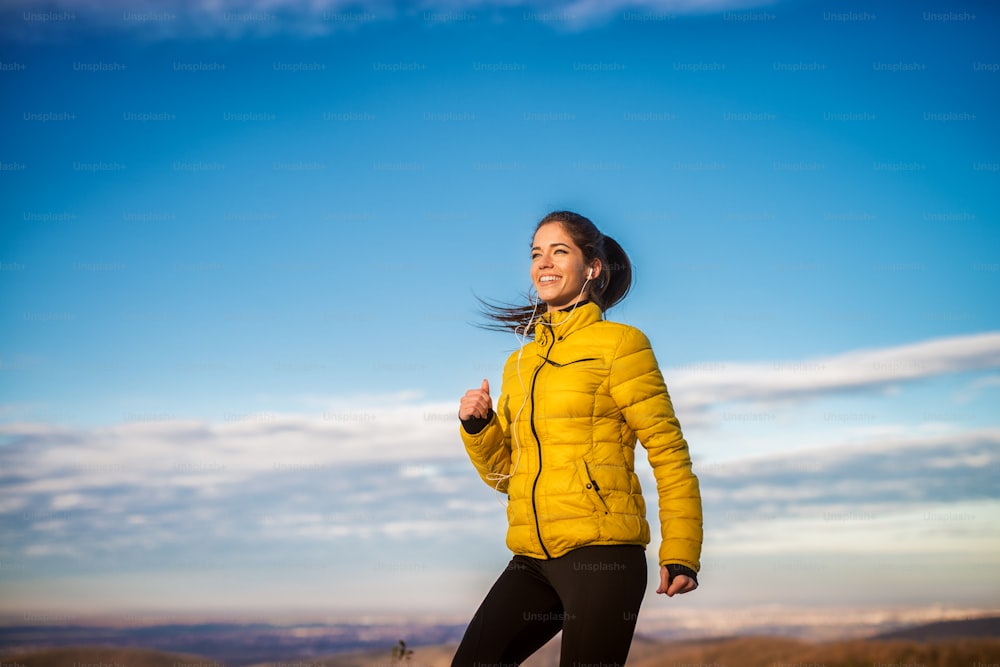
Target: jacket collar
<point x="563" y="322"/>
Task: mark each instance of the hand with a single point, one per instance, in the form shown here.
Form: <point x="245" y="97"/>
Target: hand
<point x="680" y="584"/>
<point x="476" y="402"/>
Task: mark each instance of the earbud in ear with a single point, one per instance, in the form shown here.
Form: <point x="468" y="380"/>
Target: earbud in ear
<point x="590" y="273"/>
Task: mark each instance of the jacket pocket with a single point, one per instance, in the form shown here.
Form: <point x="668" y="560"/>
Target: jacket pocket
<point x="553" y="362"/>
<point x="593" y="491"/>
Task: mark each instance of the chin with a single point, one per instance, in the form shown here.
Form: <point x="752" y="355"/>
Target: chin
<point x="552" y="300"/>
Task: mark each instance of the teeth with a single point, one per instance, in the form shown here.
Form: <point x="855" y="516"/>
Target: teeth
<point x="548" y="279"/>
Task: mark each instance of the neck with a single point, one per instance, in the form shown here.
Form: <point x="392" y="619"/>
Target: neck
<point x="568" y="306"/>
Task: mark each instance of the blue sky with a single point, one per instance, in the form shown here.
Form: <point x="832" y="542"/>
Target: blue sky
<point x="240" y="249"/>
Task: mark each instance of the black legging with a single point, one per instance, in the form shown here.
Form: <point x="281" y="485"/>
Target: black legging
<point x="592" y="594"/>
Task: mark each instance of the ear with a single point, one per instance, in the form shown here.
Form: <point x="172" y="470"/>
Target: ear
<point x="595" y="269"/>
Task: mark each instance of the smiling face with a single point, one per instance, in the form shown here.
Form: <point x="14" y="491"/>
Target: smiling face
<point x="558" y="267"/>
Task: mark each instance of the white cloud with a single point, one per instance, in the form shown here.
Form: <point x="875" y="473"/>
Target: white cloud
<point x="67" y="501"/>
<point x="651" y="9"/>
<point x="699" y="387"/>
<point x="57" y="459"/>
<point x="159" y="19"/>
<point x="977" y="387"/>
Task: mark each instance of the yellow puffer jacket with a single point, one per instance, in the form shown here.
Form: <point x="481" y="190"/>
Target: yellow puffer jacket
<point x="561" y="442"/>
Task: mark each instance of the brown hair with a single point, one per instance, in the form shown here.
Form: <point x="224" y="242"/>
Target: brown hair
<point x="611" y="286"/>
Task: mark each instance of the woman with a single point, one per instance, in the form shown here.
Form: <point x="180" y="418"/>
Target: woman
<point x="561" y="444"/>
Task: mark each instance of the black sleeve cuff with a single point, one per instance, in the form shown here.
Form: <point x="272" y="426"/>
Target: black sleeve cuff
<point x="474" y="425"/>
<point x="676" y="568"/>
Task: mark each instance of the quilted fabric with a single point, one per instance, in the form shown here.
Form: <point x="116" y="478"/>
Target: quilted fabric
<point x="561" y="442"/>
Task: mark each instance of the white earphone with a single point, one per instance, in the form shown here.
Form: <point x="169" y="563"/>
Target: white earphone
<point x="522" y="337"/>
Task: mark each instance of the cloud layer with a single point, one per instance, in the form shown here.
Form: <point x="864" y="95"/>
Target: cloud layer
<point x="279" y="493"/>
<point x="241" y="18"/>
<point x="700" y="387"/>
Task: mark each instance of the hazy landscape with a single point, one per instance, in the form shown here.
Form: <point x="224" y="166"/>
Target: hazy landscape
<point x="971" y="642"/>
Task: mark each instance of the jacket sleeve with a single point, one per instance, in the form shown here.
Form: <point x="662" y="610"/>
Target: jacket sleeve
<point x="640" y="393"/>
<point x="489" y="449"/>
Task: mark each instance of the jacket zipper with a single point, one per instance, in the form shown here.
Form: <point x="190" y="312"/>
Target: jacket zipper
<point x="538" y="443"/>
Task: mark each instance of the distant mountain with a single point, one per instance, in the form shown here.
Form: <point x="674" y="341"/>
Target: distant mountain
<point x="232" y="644"/>
<point x="973" y="627"/>
<point x="101" y="656"/>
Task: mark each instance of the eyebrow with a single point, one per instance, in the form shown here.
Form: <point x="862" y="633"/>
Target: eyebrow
<point x="551" y="245"/>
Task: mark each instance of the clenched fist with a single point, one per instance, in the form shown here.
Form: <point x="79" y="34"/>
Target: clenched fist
<point x="476" y="402"/>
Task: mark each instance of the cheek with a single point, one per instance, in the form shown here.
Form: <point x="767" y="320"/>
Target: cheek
<point x="572" y="269"/>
